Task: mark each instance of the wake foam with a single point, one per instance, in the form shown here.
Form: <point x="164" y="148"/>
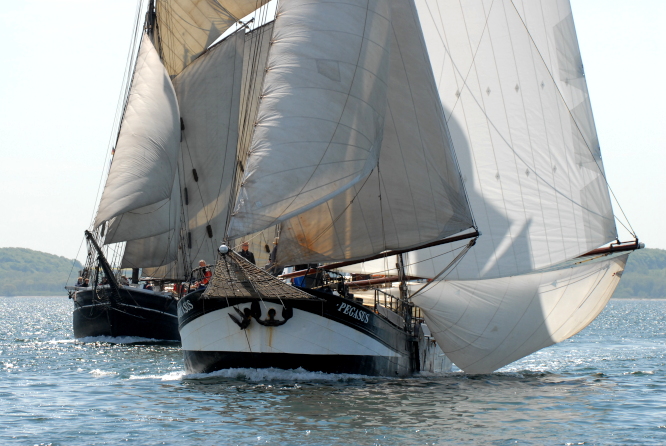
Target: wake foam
<point x="122" y="340"/>
<point x="272" y="374"/>
<point x="101" y="373"/>
<point x="172" y="376"/>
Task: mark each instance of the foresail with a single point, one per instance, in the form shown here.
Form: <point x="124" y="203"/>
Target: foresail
<point x="511" y="81"/>
<point x="187" y="27"/>
<point x="173" y="270"/>
<point x="153" y="251"/>
<point x="146" y="154"/>
<point x="321" y="115"/>
<point x="416" y="194"/>
<point x="483" y="325"/>
<point x="209" y="92"/>
<point x="147" y="221"/>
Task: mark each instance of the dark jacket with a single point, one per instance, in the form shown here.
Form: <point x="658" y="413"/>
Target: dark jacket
<point x="248" y="256"/>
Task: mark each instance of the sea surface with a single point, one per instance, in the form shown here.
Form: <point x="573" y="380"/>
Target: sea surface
<point x="606" y="385"/>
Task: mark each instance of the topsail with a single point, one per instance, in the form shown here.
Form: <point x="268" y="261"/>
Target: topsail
<point x="188" y="27"/>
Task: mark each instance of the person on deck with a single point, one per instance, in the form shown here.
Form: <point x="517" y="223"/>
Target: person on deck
<point x="206" y="274"/>
<point x="273" y="268"/>
<point x="245" y="253"/>
<point x="80" y="282"/>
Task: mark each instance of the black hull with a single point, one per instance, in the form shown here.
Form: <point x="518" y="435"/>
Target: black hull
<point x="136" y="314"/>
<point x="401" y="348"/>
<point x="207" y="362"/>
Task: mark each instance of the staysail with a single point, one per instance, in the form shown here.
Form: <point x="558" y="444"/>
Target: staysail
<point x="415" y="195"/>
<point x="146" y="154"/>
<point x="483" y="325"/>
<point x="321" y="116"/>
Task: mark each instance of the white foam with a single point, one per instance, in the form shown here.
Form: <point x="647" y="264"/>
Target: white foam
<point x="61" y="341"/>
<point x="173" y="376"/>
<point x="100" y="373"/>
<point x="272" y="374"/>
<point x="120" y="340"/>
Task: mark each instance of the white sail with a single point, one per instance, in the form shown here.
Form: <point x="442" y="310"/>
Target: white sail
<point x="146" y="154"/>
<point x="173" y="270"/>
<point x="151" y="251"/>
<point x="510" y="77"/>
<point x="187" y="27"/>
<point x="209" y="94"/>
<point x="147" y="221"/>
<point x="158" y="248"/>
<point x="483" y="325"/>
<point x="321" y="116"/>
<point x="416" y="194"/>
<point x="257" y="46"/>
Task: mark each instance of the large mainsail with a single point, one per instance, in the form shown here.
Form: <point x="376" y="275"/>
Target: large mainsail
<point x="144" y="165"/>
<point x="511" y="80"/>
<point x="321" y="116"/>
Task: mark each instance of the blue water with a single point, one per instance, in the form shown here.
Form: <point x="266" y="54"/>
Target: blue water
<point x="606" y="385"/>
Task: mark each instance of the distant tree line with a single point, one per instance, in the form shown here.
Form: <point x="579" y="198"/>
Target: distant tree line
<point x="644" y="276"/>
<point x="24" y="272"/>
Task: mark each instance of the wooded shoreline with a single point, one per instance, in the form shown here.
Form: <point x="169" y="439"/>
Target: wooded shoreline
<point x="28" y="273"/>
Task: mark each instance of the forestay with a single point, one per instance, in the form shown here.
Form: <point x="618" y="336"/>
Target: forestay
<point x="321" y="115"/>
<point x="416" y="195"/>
<point x="209" y="93"/>
<point x="511" y="80"/>
<point x="187" y="27"/>
<point x="145" y="161"/>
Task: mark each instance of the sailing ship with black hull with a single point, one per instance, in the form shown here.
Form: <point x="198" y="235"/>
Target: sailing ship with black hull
<point x="163" y="207"/>
<point x="110" y="308"/>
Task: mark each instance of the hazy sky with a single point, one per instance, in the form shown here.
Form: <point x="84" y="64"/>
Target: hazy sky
<point x="63" y="67"/>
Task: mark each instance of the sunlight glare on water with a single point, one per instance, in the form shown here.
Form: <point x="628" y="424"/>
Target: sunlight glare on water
<point x="604" y="386"/>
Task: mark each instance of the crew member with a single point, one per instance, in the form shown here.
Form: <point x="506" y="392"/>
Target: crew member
<point x="272" y="260"/>
<point x="206" y="274"/>
<point x="246" y="253"/>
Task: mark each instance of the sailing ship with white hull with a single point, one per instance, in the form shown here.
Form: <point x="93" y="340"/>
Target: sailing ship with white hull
<point x="446" y="146"/>
<point x="511" y="97"/>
